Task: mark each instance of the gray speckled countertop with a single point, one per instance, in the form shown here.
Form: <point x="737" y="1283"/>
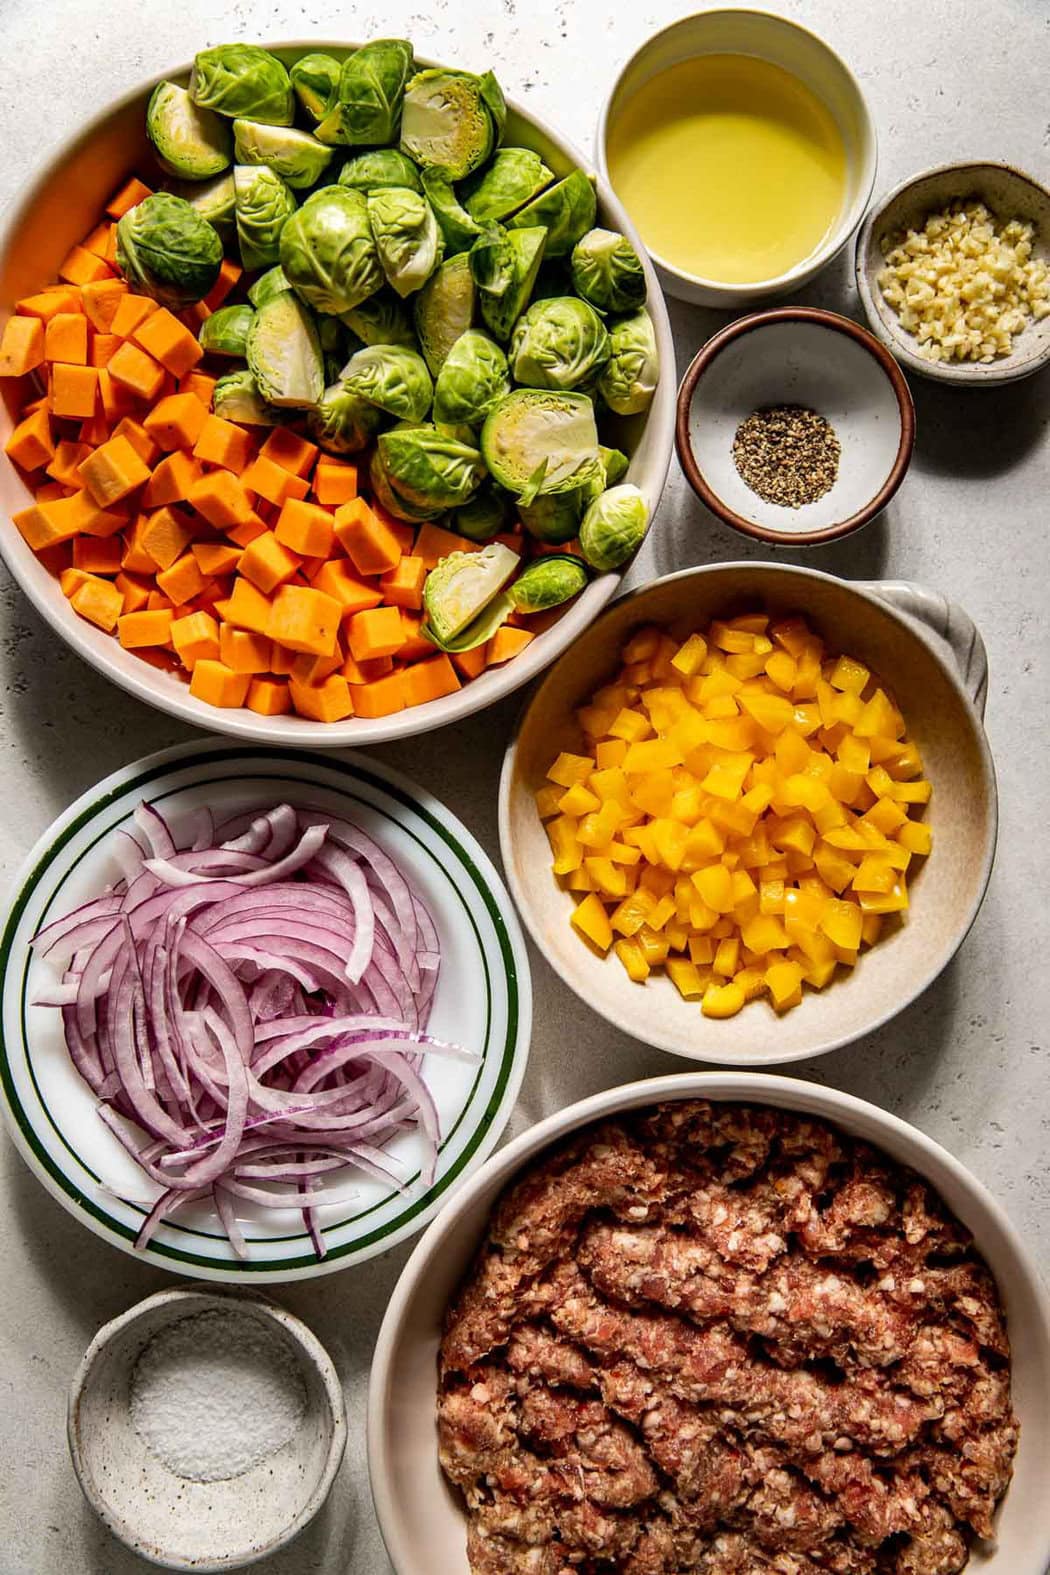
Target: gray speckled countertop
<point x="967" y="1063"/>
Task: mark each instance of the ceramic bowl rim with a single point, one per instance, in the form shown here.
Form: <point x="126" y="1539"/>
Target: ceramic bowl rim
<point x="310" y="1350"/>
<point x="819" y="317"/>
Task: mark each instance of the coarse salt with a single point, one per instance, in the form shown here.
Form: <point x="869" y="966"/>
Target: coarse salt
<point x="216" y="1393"/>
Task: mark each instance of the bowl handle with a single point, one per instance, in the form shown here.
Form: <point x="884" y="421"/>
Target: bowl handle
<point x="950" y="623"/>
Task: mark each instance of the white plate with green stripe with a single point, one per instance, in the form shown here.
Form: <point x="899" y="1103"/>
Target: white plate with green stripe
<point x="483" y="1001"/>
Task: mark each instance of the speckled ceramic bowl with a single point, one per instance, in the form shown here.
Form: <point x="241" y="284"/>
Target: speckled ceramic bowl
<point x="200" y="1526"/>
<point x="1010" y="194"/>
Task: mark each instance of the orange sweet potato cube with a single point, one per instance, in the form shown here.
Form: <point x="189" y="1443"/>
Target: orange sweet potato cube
<point x="99" y="602"/>
<point x="82" y="267"/>
<point x="334" y="482"/>
<point x="267" y="563"/>
<point x="214" y="682"/>
<point x="429" y="680"/>
<point x="164" y="535"/>
<point x="176" y="421"/>
<point x="167" y="341"/>
<point x="290" y="451"/>
<point x="369" y="543"/>
<point x="381" y="697"/>
<point x="172" y="481"/>
<point x="306" y="528"/>
<point x="221" y="499"/>
<point x="269" y="697"/>
<point x="375" y="632"/>
<point x="100" y="301"/>
<point x="139" y="438"/>
<point x="403" y="585"/>
<point x="137" y="371"/>
<point x="113" y="471"/>
<point x="21" y="346"/>
<point x="182" y="581"/>
<point x="195" y="638"/>
<point x="304" y="619"/>
<point x="31" y="444"/>
<point x="129" y="196"/>
<point x="66" y="338"/>
<point x="223" y="443"/>
<point x="74" y="390"/>
<point x="272" y="482"/>
<point x="135" y="629"/>
<point x="129" y="312"/>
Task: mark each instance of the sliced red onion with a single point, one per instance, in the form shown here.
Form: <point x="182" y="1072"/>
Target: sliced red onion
<point x="249" y="1004"/>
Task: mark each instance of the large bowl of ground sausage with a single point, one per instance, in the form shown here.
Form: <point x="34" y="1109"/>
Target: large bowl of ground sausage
<point x="719" y="1324"/>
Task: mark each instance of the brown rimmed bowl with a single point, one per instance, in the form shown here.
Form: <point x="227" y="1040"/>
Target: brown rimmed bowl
<point x="796" y="355"/>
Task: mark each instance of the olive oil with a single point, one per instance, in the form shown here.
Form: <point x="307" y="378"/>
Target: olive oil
<point x="731" y="167"/>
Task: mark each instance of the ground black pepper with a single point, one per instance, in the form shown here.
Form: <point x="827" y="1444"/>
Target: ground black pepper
<point x="787" y="454"/>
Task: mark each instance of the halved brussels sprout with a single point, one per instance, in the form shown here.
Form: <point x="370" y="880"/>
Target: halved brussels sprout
<point x="616" y="465"/>
<point x="614" y="527"/>
<point x="393" y="378"/>
<point x="327" y="251"/>
<point x="190" y="141"/>
<point x="504" y="264"/>
<point x="367" y="108"/>
<point x="480" y="630"/>
<point x="236" y="397"/>
<point x="536" y="442"/>
<point x="268" y="284"/>
<point x="483" y="517"/>
<point x="566" y="210"/>
<point x="215" y="200"/>
<point x="297" y="157"/>
<point x="456" y="225"/>
<point x="555" y="518"/>
<point x="444" y="309"/>
<point x="628" y="379"/>
<point x="225" y="332"/>
<point x="264" y="205"/>
<point x="284" y="353"/>
<point x="166" y="250"/>
<point x="558" y="343"/>
<point x="342" y="422"/>
<point x="315" y="79"/>
<point x="511" y="179"/>
<point x="379" y="167"/>
<point x="381" y="320"/>
<point x="452" y="120"/>
<point x="407" y="237"/>
<point x="461" y="585"/>
<point x="430" y="467"/>
<point x="548" y="582"/>
<point x="473" y="378"/>
<point x="386" y="494"/>
<point x="243" y="80"/>
<point x="607" y="271"/>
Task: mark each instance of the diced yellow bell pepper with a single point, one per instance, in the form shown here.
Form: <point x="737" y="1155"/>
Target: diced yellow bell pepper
<point x="915" y="836"/>
<point x="630" y="725"/>
<point x="570" y="769"/>
<point x="785" y="983"/>
<point x="633" y="959"/>
<point x="689" y="656"/>
<point x="578" y="800"/>
<point x="568" y="855"/>
<point x="842" y="923"/>
<point x="591" y="919"/>
<point x="723" y="1000"/>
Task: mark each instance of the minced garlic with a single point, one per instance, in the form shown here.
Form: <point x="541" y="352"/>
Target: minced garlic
<point x="965" y="285"/>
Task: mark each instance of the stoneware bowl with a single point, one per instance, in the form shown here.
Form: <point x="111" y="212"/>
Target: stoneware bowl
<point x="187" y="1525"/>
<point x="929" y="654"/>
<point x="808" y="58"/>
<point x="1010" y="194"/>
<point x="60" y="204"/>
<point x="796" y="355"/>
<point x="424" y="1530"/>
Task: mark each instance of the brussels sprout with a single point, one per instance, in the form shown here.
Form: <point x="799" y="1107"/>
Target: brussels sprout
<point x="381" y="320"/>
<point x="444" y="309"/>
<point x="483" y="517"/>
<point x="512" y="178"/>
<point x="556" y="517"/>
<point x="386" y="494"/>
<point x="367" y="106"/>
<point x="166" y="250"/>
<point x="380" y="167"/>
<point x="342" y="422"/>
<point x="407" y="237"/>
<point x="559" y="343"/>
<point x="393" y="378"/>
<point x="607" y="272"/>
<point x="327" y="251"/>
<point x="225" y="332"/>
<point x="452" y="120"/>
<point x="614" y="527"/>
<point x="264" y="205"/>
<point x="504" y="264"/>
<point x="236" y="397"/>
<point x="537" y="442"/>
<point x="472" y="379"/>
<point x="284" y="353"/>
<point x="547" y="583"/>
<point x="215" y="200"/>
<point x="430" y="467"/>
<point x="315" y="79"/>
<point x="628" y="379"/>
<point x="190" y="141"/>
<point x="461" y="585"/>
<point x="454" y="222"/>
<point x="567" y="211"/>
<point x="616" y="465"/>
<point x="268" y="284"/>
<point x="243" y="80"/>
<point x="297" y="157"/>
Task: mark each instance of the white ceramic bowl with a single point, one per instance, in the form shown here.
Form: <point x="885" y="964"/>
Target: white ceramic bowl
<point x="930" y="655"/>
<point x="1010" y="194"/>
<point x="424" y="1530"/>
<point x="805" y="56"/>
<point x="200" y="1526"/>
<point x="796" y="355"/>
<point x="61" y="203"/>
<point x="483" y="1001"/>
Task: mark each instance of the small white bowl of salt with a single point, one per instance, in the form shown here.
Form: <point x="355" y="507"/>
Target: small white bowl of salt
<point x="206" y="1427"/>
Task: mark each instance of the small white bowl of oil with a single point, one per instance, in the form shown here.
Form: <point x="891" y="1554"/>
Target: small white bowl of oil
<point x="742" y="147"/>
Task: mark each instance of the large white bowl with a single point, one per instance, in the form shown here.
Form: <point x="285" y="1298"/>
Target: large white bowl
<point x="423" y="1526"/>
<point x="61" y="203"/>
